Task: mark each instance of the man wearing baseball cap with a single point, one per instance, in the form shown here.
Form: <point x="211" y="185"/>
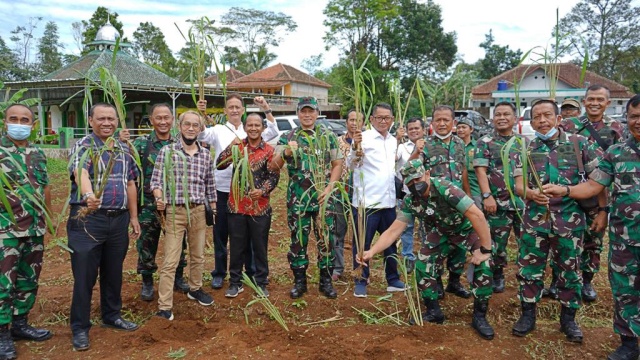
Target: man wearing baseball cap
<point x="570" y="108"/>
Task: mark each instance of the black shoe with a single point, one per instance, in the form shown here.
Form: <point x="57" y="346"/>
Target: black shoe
<point x="299" y="283"/>
<point x="479" y="321"/>
<point x="410" y="265"/>
<point x="545" y="292"/>
<point x="20" y="329"/>
<point x="165" y="314"/>
<point x="217" y="282"/>
<point x="7" y="347"/>
<point x="201" y="297"/>
<point x="233" y="290"/>
<point x="121" y="324"/>
<point x="568" y="325"/>
<point x="80" y="341"/>
<point x="553" y="291"/>
<point x="498" y="281"/>
<point x="434" y="313"/>
<point x="527" y="321"/>
<point x="146" y="294"/>
<point x="325" y="287"/>
<point x="180" y="284"/>
<point x="264" y="290"/>
<point x="455" y="287"/>
<point x="440" y="288"/>
<point x="628" y="350"/>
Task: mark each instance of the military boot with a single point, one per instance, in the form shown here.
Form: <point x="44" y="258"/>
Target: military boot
<point x="325" y="286"/>
<point x="434" y="313"/>
<point x="479" y="321"/>
<point x="299" y="283"/>
<point x="455" y="287"/>
<point x="527" y="321"/>
<point x="588" y="292"/>
<point x="7" y="347"/>
<point x="568" y="325"/>
<point x="553" y="288"/>
<point x="146" y="293"/>
<point x="20" y="329"/>
<point x="628" y="350"/>
<point x="180" y="284"/>
<point x="440" y="288"/>
<point x="498" y="280"/>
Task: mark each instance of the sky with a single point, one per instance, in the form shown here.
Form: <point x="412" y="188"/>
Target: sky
<point x="513" y="23"/>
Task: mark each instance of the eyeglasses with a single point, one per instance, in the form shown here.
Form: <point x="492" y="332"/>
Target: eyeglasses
<point x="188" y="125"/>
<point x="384" y="118"/>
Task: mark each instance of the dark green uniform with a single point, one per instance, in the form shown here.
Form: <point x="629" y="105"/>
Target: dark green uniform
<point x="21" y="242"/>
<point x="148" y="147"/>
<point x="316" y="150"/>
<point x="559" y="228"/>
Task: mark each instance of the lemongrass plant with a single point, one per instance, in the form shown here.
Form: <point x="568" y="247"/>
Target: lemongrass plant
<point x="263" y="300"/>
<point x="421" y="99"/>
<point x="242" y="182"/>
<point x="411" y="292"/>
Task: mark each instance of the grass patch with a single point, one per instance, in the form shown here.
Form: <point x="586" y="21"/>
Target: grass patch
<point x="57" y="166"/>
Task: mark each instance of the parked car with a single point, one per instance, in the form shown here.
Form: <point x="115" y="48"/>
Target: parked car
<point x="337" y="128"/>
<point x="287" y="123"/>
<point x="481" y="126"/>
<point x="524" y="124"/>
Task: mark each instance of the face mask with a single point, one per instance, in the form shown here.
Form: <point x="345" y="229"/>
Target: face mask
<point x="418" y="188"/>
<point x="442" y="137"/>
<point x="188" y="141"/>
<point x="547" y="136"/>
<point x="18" y="132"/>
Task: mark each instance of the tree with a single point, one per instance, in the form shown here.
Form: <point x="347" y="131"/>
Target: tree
<point x="607" y="29"/>
<point x="497" y="59"/>
<point x="22" y="37"/>
<point x="8" y="63"/>
<point x="256" y="32"/>
<point x="49" y="55"/>
<point x="99" y="18"/>
<point x="312" y="64"/>
<point x="77" y="29"/>
<point x="149" y="45"/>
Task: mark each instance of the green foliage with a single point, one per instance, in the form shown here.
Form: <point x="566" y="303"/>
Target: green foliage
<point x="22" y="37"/>
<point x="9" y="69"/>
<point x="9" y="99"/>
<point x="497" y="59"/>
<point x="56" y="166"/>
<point x="149" y="45"/>
<point x="49" y="55"/>
<point x="261" y="299"/>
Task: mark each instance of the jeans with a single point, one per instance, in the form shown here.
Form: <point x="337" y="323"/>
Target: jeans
<point x="377" y="220"/>
<point x="407" y="238"/>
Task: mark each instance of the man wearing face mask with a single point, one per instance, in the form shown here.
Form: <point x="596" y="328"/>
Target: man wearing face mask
<point x="445" y="156"/>
<point x="21" y="235"/>
<point x="553" y="226"/>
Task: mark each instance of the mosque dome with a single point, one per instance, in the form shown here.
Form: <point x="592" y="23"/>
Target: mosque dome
<point x="107" y="33"/>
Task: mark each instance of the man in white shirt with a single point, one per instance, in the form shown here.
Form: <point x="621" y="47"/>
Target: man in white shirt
<point x="220" y="136"/>
<point x="374" y="188"/>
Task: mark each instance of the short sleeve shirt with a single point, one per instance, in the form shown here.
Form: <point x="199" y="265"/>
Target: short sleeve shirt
<point x="445" y="160"/>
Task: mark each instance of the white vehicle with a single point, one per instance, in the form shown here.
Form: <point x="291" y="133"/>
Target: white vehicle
<point x="286" y="123"/>
<point x="524" y="124"/>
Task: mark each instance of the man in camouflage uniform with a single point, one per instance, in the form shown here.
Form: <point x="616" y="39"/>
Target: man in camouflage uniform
<point x="444" y="155"/>
<point x="499" y="206"/>
<point x="553" y="226"/>
<point x="464" y="130"/>
<point x="619" y="169"/>
<point x="148" y="147"/>
<point x="607" y="132"/>
<point x="451" y="218"/>
<point x="313" y="161"/>
<point x="22" y="230"/>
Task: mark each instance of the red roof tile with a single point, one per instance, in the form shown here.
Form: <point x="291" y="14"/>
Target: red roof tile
<point x="276" y="76"/>
<point x="232" y="75"/>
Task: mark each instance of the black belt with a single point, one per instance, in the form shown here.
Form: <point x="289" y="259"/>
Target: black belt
<point x="111" y="213"/>
<point x="191" y="205"/>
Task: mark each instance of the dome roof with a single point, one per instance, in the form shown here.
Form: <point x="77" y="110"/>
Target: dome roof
<point x="107" y="33"/>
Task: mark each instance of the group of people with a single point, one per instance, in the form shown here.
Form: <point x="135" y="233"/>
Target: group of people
<point x="465" y="195"/>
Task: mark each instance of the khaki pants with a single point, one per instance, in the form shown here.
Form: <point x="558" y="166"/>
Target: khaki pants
<point x="176" y="223"/>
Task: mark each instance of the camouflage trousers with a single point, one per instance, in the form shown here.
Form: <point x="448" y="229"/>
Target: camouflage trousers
<point x="435" y="248"/>
<point x="20" y="265"/>
<point x="624" y="276"/>
<point x="593" y="244"/>
<point x="564" y="251"/>
<point x="501" y="224"/>
<point x="147" y="243"/>
<point x="300" y="224"/>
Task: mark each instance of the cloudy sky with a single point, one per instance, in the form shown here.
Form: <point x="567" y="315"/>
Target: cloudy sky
<point x="513" y="23"/>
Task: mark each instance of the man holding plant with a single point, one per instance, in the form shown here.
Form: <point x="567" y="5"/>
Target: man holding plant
<point x="103" y="203"/>
<point x="314" y="164"/>
<point x="22" y="229"/>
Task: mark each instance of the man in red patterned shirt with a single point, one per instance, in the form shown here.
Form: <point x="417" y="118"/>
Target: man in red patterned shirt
<point x="249" y="216"/>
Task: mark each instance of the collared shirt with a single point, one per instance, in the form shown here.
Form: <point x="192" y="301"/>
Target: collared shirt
<point x="148" y="148"/>
<point x="402" y="156"/>
<point x="26" y="171"/>
<point x="488" y="155"/>
<point x="263" y="179"/>
<point x="470" y="150"/>
<point x="114" y="196"/>
<point x="373" y="177"/>
<point x="620" y="166"/>
<point x="198" y="168"/>
<point x="446" y="160"/>
<point x="220" y="136"/>
<point x="555" y="162"/>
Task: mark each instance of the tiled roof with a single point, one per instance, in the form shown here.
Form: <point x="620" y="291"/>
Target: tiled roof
<point x="232" y="75"/>
<point x="128" y="69"/>
<point x="568" y="73"/>
<point x="276" y="76"/>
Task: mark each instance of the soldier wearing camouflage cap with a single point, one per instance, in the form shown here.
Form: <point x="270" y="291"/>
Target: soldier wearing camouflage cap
<point x="24" y="167"/>
<point x="452" y="218"/>
<point x="551" y="227"/>
<point x="619" y="170"/>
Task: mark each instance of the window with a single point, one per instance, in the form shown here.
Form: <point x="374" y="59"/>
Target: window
<point x="283" y="124"/>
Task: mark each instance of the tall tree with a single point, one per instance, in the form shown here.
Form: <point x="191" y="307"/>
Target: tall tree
<point x="77" y="29"/>
<point x="8" y="63"/>
<point x="312" y="64"/>
<point x="149" y="45"/>
<point x="497" y="59"/>
<point x="49" y="55"/>
<point x="22" y="38"/>
<point x="607" y="29"/>
<point x="99" y="18"/>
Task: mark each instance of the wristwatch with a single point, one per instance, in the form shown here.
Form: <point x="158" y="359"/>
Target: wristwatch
<point x="486" y="195"/>
<point x="605" y="209"/>
<point x="485" y="251"/>
<point x="268" y="111"/>
<point x="86" y="195"/>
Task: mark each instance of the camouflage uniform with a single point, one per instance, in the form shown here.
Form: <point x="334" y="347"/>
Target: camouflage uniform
<point x="611" y="132"/>
<point x="447" y="161"/>
<point x="476" y="194"/>
<point x="506" y="215"/>
<point x="557" y="229"/>
<point x="316" y="148"/>
<point x="620" y="168"/>
<point x="148" y="147"/>
<point x="22" y="242"/>
<point x="442" y="214"/>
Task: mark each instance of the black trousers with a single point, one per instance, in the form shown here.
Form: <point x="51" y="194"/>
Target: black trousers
<point x="245" y="233"/>
<point x="99" y="242"/>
